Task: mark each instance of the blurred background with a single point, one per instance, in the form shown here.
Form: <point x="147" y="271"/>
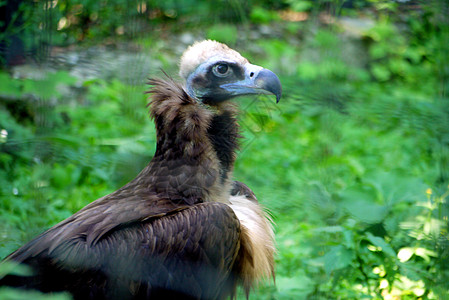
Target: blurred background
<point x="353" y="163"/>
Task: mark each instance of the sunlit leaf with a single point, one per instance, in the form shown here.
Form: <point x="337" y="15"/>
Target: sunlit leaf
<point x="405" y="254"/>
<point x="426" y="254"/>
<point x="380" y="242"/>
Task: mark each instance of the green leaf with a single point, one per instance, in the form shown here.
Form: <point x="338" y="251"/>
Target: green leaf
<point x="405" y="254"/>
<point x="380" y="72"/>
<point x="380" y="242"/>
<point x="394" y="187"/>
<point x="300" y="5"/>
<point x="337" y="258"/>
<point x="299" y="285"/>
<point x="425" y="253"/>
<point x="360" y="202"/>
<point x="330" y="229"/>
<point x="12" y="268"/>
<point x="18" y="294"/>
<point x="9" y="86"/>
<point x="260" y="15"/>
<point x="223" y="33"/>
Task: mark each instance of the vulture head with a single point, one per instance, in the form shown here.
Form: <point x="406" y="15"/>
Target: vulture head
<point x="215" y="73"/>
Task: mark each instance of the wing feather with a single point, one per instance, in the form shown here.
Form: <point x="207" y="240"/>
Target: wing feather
<point x="190" y="252"/>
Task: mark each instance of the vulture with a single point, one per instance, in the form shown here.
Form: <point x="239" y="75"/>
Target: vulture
<point x="183" y="228"/>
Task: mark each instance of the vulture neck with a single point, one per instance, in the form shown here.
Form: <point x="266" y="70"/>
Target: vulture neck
<point x="196" y="146"/>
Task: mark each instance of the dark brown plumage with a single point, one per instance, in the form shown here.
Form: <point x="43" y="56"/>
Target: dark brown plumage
<point x="182" y="228"/>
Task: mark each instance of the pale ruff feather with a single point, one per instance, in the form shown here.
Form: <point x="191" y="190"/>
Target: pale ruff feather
<point x="261" y="236"/>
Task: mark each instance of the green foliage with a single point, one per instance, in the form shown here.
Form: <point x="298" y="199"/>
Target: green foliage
<point x="223" y="33"/>
<point x="300" y="5"/>
<point x="343" y="214"/>
<point x="260" y="15"/>
<point x="15" y="294"/>
<point x="361" y="208"/>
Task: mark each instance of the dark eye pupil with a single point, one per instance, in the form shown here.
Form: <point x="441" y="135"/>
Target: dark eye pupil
<point x="222" y="68"/>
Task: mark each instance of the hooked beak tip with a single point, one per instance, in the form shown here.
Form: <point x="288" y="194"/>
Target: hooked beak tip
<point x="268" y="81"/>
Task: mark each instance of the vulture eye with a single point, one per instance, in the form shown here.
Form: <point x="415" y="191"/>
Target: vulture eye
<point x="221" y="70"/>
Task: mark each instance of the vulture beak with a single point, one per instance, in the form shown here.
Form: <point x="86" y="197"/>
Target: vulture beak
<point x="257" y="80"/>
